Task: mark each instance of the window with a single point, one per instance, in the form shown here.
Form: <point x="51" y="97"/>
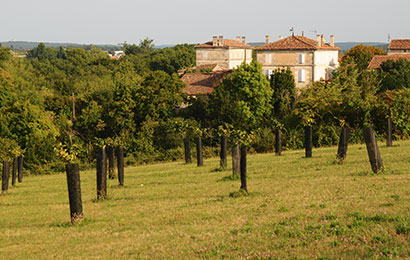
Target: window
<point x="301" y="58"/>
<point x="301" y="75"/>
<point x="268" y="72"/>
<point x="205" y="55"/>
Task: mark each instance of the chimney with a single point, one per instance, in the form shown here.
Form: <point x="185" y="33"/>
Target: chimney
<point x="280" y="37"/>
<point x="267" y="39"/>
<point x="332" y="40"/>
<point x="303" y="33"/>
<point x="221" y="41"/>
<point x="318" y="40"/>
<point x="323" y="41"/>
<point x="215" y="41"/>
<point x="238" y="38"/>
<point x="243" y="39"/>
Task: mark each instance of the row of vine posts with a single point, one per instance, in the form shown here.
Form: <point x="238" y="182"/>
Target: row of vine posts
<point x="239" y="162"/>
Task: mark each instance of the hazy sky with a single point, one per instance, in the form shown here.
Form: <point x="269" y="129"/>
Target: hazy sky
<point x="192" y="21"/>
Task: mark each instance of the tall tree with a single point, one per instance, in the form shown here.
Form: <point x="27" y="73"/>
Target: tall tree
<point x="243" y="99"/>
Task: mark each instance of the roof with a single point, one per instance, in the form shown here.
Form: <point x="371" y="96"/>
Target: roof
<point x="379" y="59"/>
<point x="399" y="44"/>
<point x="203" y="83"/>
<point x="227" y="43"/>
<point x="209" y="67"/>
<point x="296" y="43"/>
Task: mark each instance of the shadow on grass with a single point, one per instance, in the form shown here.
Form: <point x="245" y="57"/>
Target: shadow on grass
<point x="386" y="171"/>
<point x="243" y="193"/>
<point x="68" y="224"/>
<point x="117" y="186"/>
<point x="219" y="169"/>
<point x="230" y="178"/>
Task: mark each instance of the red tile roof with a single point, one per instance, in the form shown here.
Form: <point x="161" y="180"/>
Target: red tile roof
<point x="399" y="44"/>
<point x="296" y="43"/>
<point x="379" y="59"/>
<point x="203" y="83"/>
<point x="227" y="43"/>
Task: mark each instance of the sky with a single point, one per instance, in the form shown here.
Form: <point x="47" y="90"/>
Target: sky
<point x="192" y="21"/>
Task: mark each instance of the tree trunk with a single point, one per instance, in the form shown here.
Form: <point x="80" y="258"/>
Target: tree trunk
<point x="74" y="192"/>
<point x="111" y="162"/>
<point x="236" y="160"/>
<point x="101" y="173"/>
<point x="14" y="172"/>
<point x="278" y="141"/>
<point x="20" y="160"/>
<point x="308" y="141"/>
<point x="373" y="150"/>
<point x="187" y="148"/>
<point x="224" y="152"/>
<point x="199" y="158"/>
<point x="343" y="143"/>
<point x="243" y="168"/>
<point x="389" y="137"/>
<point x="120" y="165"/>
<point x="5" y="177"/>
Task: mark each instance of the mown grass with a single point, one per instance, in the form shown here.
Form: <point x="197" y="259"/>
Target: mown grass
<point x="297" y="208"/>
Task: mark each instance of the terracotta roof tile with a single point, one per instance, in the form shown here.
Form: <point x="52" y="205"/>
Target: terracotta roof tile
<point x="203" y="83"/>
<point x="227" y="43"/>
<point x="399" y="44"/>
<point x="379" y="59"/>
<point x="295" y="43"/>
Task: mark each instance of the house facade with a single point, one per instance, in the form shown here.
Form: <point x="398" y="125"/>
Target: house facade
<point x="226" y="53"/>
<point x="309" y="60"/>
<point x="397" y="49"/>
<point x="399" y="46"/>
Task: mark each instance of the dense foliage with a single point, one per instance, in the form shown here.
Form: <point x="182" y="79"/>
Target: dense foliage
<point x="81" y="99"/>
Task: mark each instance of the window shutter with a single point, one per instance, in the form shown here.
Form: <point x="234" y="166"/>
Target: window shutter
<point x="301" y="75"/>
<point x="301" y="58"/>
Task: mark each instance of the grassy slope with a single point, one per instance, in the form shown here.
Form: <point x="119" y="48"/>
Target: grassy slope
<point x="298" y="208"/>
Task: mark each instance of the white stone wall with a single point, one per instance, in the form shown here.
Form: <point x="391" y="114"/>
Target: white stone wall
<point x="325" y="62"/>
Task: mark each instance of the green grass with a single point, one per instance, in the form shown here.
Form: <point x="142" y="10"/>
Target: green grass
<point x="297" y="208"/>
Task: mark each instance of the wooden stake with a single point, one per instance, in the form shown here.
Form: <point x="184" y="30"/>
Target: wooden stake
<point x="5" y="177"/>
<point x="187" y="148"/>
<point x="308" y="141"/>
<point x="243" y="168"/>
<point x="373" y="150"/>
<point x="20" y="160"/>
<point x="343" y="143"/>
<point x="236" y="160"/>
<point x="101" y="173"/>
<point x="199" y="157"/>
<point x="224" y="152"/>
<point x="389" y="136"/>
<point x="74" y="192"/>
<point x="120" y="165"/>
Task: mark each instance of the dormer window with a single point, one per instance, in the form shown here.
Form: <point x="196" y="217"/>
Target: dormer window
<point x="301" y="58"/>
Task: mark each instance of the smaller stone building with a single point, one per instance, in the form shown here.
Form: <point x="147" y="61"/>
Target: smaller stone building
<point x="399" y="46"/>
<point x="226" y="53"/>
<point x="203" y="83"/>
<point x="309" y="60"/>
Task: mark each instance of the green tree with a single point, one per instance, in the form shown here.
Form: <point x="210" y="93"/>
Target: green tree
<point x="395" y="74"/>
<point x="361" y="55"/>
<point x="283" y="86"/>
<point x="243" y="99"/>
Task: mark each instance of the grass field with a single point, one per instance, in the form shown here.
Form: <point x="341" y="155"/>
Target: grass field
<point x="298" y="208"/>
